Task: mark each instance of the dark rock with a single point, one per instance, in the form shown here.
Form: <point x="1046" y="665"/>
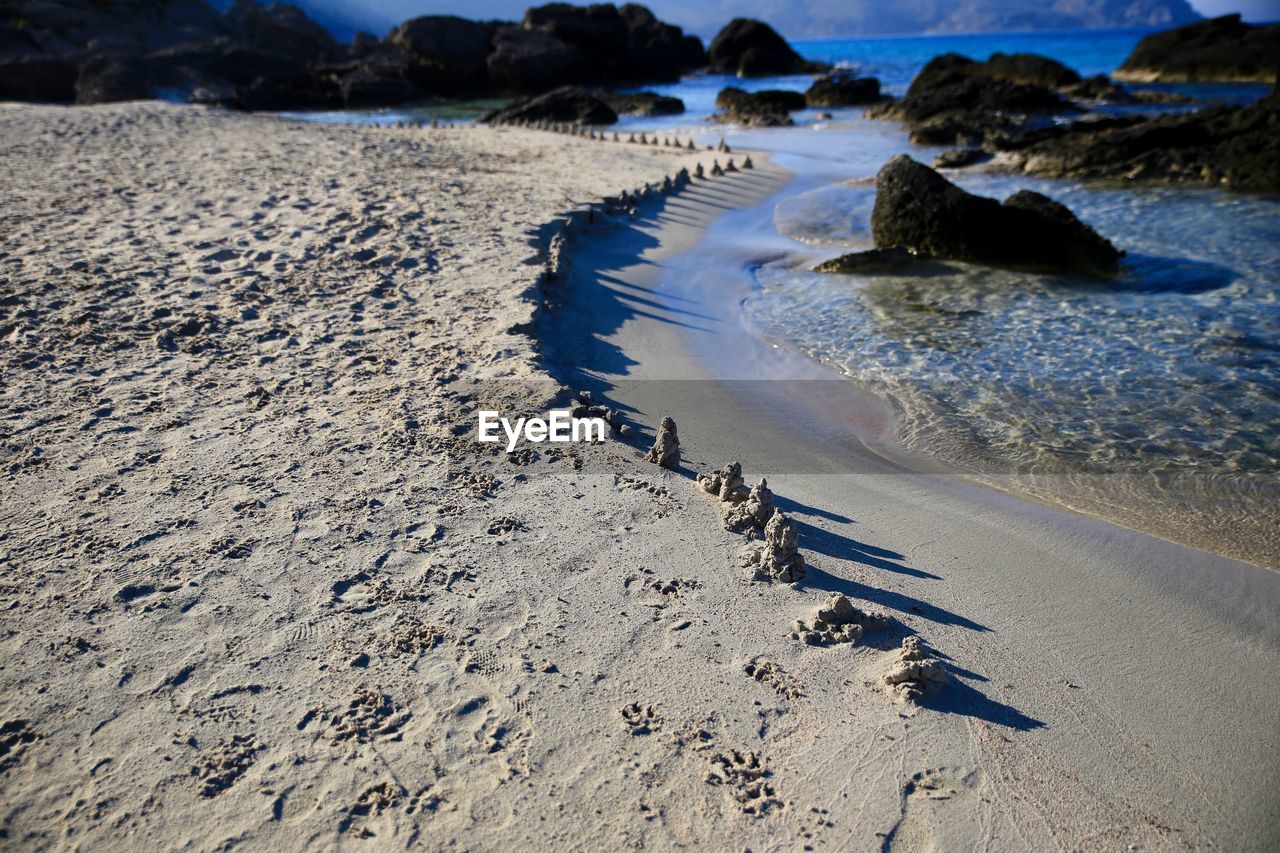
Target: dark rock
<point x="893" y="261"/>
<point x="767" y="108"/>
<point x="530" y="61"/>
<point x="642" y="103"/>
<point x="444" y="54"/>
<point x="619" y="45"/>
<point x="954" y="101"/>
<point x="1220" y="49"/>
<point x="1029" y="69"/>
<point x="571" y="104"/>
<point x="106" y="79"/>
<point x="1234" y="147"/>
<point x="842" y="90"/>
<point x="365" y="89"/>
<point x="751" y="48"/>
<point x="919" y="210"/>
<point x="957" y="158"/>
<point x="305" y="91"/>
<point x="280" y="29"/>
<point x="34" y="78"/>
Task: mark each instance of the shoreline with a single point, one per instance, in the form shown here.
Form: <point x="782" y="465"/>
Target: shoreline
<point x="1022" y="582"/>
<point x="264" y="584"/>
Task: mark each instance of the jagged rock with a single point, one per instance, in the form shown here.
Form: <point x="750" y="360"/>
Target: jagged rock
<point x="666" y="446"/>
<point x="956" y="158"/>
<point x="1234" y="147"/>
<point x="726" y="484"/>
<point x="778" y="558"/>
<point x="837" y="621"/>
<point x="750" y="48"/>
<point x="842" y="90"/>
<point x="1220" y="49"/>
<point x="567" y="104"/>
<point x="919" y="210"/>
<point x="754" y="513"/>
<point x="767" y="108"/>
<point x="642" y="103"/>
<point x="914" y="672"/>
<point x="450" y="53"/>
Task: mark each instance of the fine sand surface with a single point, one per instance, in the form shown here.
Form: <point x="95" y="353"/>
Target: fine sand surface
<point x="262" y="588"/>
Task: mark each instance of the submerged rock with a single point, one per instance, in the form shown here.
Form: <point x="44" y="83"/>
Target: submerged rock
<point x="1220" y="49"/>
<point x="837" y="621"/>
<point x="893" y="261"/>
<point x="666" y="446"/>
<point x="919" y="210"/>
<point x="914" y="672"/>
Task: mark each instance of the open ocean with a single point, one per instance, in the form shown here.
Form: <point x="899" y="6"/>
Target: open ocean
<point x="1152" y="399"/>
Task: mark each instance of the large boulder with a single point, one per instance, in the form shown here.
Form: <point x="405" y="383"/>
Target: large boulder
<point x="1028" y="68"/>
<point x="281" y="29"/>
<point x="1220" y="49"/>
<point x="919" y="210"/>
<point x="750" y="48"/>
<point x="766" y="108"/>
<point x="619" y="45"/>
<point x="642" y="103"/>
<point x="528" y="61"/>
<point x="568" y="104"/>
<point x="843" y="90"/>
<point x="442" y="53"/>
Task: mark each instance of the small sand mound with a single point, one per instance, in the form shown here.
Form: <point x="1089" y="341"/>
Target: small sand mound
<point x="754" y="513"/>
<point x="778" y="558"/>
<point x="837" y="621"/>
<point x="914" y="672"/>
<point x="726" y="484"/>
<point x="665" y="452"/>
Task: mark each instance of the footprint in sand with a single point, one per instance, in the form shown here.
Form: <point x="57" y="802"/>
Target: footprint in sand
<point x="942" y="809"/>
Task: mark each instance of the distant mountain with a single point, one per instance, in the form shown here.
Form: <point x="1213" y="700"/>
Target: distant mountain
<point x="816" y="18"/>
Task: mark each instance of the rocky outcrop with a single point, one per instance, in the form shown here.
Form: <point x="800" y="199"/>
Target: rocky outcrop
<point x="843" y="90"/>
<point x="1220" y="49"/>
<point x="957" y="101"/>
<point x="767" y="108"/>
<point x="275" y="57"/>
<point x="642" y="103"/>
<point x="1236" y="148"/>
<point x="751" y="48"/>
<point x="571" y="104"/>
<point x="919" y="210"/>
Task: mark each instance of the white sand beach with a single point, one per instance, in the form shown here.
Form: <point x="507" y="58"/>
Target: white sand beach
<point x="263" y="588"/>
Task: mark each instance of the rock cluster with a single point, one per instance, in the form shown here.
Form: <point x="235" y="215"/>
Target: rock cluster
<point x="913" y="672"/>
<point x="837" y="621"/>
<point x="753" y="514"/>
<point x="274" y="57"/>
